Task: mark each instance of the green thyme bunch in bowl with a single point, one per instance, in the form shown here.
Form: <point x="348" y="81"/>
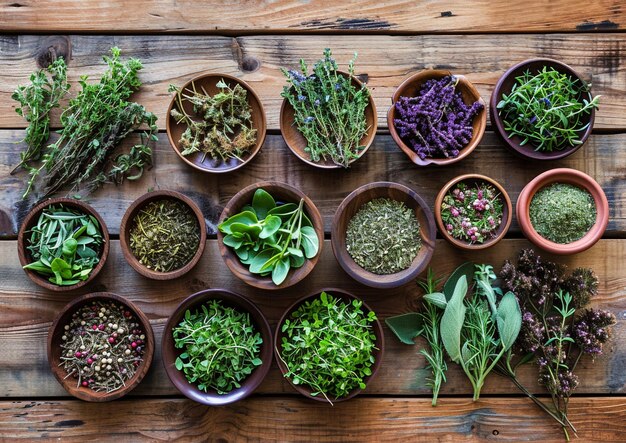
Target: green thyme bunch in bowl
<point x="328" y="117"/>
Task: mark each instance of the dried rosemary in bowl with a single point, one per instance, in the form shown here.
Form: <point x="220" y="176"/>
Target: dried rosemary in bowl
<point x="164" y="235"/>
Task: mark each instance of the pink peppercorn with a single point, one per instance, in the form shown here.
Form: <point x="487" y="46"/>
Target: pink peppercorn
<point x="89" y="361"/>
<point x="111" y="339"/>
<point x="133" y="345"/>
<point x="85" y="384"/>
<point x="77" y="354"/>
<point x="101" y="327"/>
<point x="94" y="327"/>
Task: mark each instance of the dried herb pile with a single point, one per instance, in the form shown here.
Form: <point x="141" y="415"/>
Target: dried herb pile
<point x="164" y="235"/>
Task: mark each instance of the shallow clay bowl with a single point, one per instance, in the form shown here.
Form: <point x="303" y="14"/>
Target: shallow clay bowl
<point x="208" y="83"/>
<point x="345" y="297"/>
<point x="410" y="88"/>
<point x="297" y="143"/>
<point x="473" y="180"/>
<point x="127" y="223"/>
<point x="351" y="205"/>
<point x="504" y="86"/>
<point x="54" y="348"/>
<point x="24" y="235"/>
<point x="171" y="353"/>
<point x="283" y="193"/>
<point x="573" y="177"/>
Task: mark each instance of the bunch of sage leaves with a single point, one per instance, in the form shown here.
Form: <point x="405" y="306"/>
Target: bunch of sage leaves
<point x="271" y="238"/>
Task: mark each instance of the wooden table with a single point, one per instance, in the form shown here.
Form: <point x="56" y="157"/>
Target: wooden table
<point x="252" y="40"/>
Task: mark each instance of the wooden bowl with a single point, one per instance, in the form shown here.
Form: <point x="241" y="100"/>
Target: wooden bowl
<point x="573" y="177"/>
<point x="297" y="143"/>
<point x="410" y="88"/>
<point x="350" y="206"/>
<point x="56" y="331"/>
<point x="346" y="297"/>
<point x="282" y="192"/>
<point x="504" y="86"/>
<point x="473" y="180"/>
<point x="126" y="225"/>
<point x="31" y="220"/>
<point x="170" y="353"/>
<point x="175" y="130"/>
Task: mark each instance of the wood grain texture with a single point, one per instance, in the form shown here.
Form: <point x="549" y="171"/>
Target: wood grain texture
<point x="27" y="312"/>
<point x="383" y="60"/>
<point x="310" y="16"/>
<point x="601" y="158"/>
<point x="299" y="419"/>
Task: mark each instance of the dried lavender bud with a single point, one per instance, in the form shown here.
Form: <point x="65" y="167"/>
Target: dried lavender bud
<point x="592" y="329"/>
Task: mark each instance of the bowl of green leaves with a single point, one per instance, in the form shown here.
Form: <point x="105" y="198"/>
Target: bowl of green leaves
<point x="217" y="347"/>
<point x="270" y="235"/>
<point x="542" y="109"/>
<point x="343" y="345"/>
<point x="63" y="244"/>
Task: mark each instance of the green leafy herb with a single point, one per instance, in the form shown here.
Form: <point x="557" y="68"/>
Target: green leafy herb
<point x="328" y="345"/>
<point x="329" y="110"/>
<point x="562" y="213"/>
<point x="221" y="125"/>
<point x="271" y="238"/>
<point x="65" y="245"/>
<point x="383" y="237"/>
<point x="221" y="347"/>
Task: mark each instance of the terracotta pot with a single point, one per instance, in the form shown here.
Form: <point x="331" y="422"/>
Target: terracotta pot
<point x="345" y="297"/>
<point x="573" y="177"/>
<point x="208" y="83"/>
<point x="31" y="220"/>
<point x="171" y="353"/>
<point x="127" y="222"/>
<point x="410" y="88"/>
<point x="504" y="86"/>
<point x="56" y="331"/>
<point x="473" y="180"/>
<point x="297" y="143"/>
<point x="351" y="205"/>
<point x="282" y="192"/>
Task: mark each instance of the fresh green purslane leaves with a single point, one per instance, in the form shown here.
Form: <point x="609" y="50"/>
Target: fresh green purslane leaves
<point x="328" y="345"/>
<point x="271" y="238"/>
<point x="65" y="245"/>
<point x="221" y="347"/>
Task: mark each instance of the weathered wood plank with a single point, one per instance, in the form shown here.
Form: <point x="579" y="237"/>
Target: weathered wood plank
<point x="384" y="60"/>
<point x="27" y="313"/>
<point x="294" y="419"/>
<point x="318" y="15"/>
<point x="601" y="158"/>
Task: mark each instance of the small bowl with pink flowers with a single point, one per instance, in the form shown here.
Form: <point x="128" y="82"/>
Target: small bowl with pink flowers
<point x="473" y="212"/>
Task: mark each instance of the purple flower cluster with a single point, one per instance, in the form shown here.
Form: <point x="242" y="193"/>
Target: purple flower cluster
<point x="592" y="329"/>
<point x="437" y="122"/>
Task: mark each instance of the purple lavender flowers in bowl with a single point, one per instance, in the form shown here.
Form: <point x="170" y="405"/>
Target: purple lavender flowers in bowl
<point x="437" y="117"/>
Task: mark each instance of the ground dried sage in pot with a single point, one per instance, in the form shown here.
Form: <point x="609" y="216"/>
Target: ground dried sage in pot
<point x="383" y="237"/>
<point x="164" y="235"/>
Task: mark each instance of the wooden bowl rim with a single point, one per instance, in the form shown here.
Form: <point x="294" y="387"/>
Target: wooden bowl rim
<point x="178" y="378"/>
<point x="369" y="137"/>
<point x="127" y="220"/>
<point x="507" y="215"/>
<point x="261" y="134"/>
<point x="573" y="177"/>
<point x="87" y="394"/>
<point x="463" y="84"/>
<point x="31" y="219"/>
<point x="344" y="296"/>
<point x="235" y="204"/>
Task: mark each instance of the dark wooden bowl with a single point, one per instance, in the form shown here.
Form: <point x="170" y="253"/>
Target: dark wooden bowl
<point x="504" y="86"/>
<point x="129" y="215"/>
<point x="346" y="297"/>
<point x="170" y="353"/>
<point x="174" y="130"/>
<point x="410" y="88"/>
<point x="472" y="180"/>
<point x="573" y="177"/>
<point x="282" y="192"/>
<point x="296" y="141"/>
<point x="31" y="220"/>
<point x="56" y="331"/>
<point x="350" y="206"/>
